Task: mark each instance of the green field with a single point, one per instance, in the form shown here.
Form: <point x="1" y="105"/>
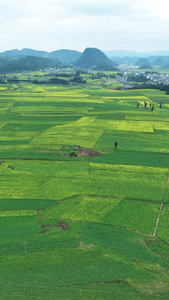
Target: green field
<point x="90" y="224"/>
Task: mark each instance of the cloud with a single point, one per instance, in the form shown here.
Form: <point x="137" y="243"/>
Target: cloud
<point x="108" y="24"/>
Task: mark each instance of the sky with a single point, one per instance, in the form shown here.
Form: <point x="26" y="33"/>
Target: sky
<point x="136" y="25"/>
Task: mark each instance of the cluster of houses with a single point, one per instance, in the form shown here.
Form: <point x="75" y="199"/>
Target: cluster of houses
<point x="149" y="77"/>
<point x="157" y="78"/>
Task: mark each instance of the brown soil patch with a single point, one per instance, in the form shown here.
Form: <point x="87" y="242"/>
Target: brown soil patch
<point x="145" y="242"/>
<point x="89" y="247"/>
<point x="38" y="215"/>
<point x="135" y="261"/>
<point x="45" y="225"/>
<point x="84" y="152"/>
<point x="161" y="255"/>
<point x="43" y="231"/>
<point x="81" y="246"/>
<point x="158" y="266"/>
<point x="62" y="225"/>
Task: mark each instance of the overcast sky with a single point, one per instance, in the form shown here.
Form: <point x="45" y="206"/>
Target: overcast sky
<point x="141" y="25"/>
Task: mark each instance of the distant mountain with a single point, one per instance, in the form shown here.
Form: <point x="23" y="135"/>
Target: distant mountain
<point x="166" y="67"/>
<point x="65" y="56"/>
<point x="159" y="62"/>
<point x="144" y="67"/>
<point x="151" y="60"/>
<point x="123" y="53"/>
<point x="12" y="60"/>
<point x="30" y="63"/>
<point x="142" y="61"/>
<point x="10" y="54"/>
<point x="166" y="59"/>
<point x="93" y="57"/>
<point x="31" y="52"/>
<point x="15" y="53"/>
<point x="125" y="59"/>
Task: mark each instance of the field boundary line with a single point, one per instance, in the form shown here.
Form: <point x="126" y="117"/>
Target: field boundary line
<point x="94" y="196"/>
<point x="126" y="198"/>
<point x="153" y="152"/>
<point x="94" y="223"/>
<point x="99" y="138"/>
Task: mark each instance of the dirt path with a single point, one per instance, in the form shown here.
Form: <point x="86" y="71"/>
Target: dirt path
<point x="158" y="218"/>
<point x="161" y="207"/>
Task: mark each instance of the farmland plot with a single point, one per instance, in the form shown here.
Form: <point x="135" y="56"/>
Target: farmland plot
<point x="70" y="202"/>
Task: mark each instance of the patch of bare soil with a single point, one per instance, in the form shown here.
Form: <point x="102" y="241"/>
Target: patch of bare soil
<point x="62" y="225"/>
<point x="45" y="225"/>
<point x="81" y="246"/>
<point x="160" y="285"/>
<point x="158" y="254"/>
<point x="79" y="234"/>
<point x="89" y="247"/>
<point x="135" y="261"/>
<point x="43" y="231"/>
<point x="84" y="152"/>
<point x="145" y="242"/>
<point x="38" y="215"/>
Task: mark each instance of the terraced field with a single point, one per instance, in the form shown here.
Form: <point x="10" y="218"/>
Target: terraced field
<point x="80" y="219"/>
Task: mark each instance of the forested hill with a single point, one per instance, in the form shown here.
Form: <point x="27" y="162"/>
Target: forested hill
<point x="93" y="57"/>
<point x="29" y="63"/>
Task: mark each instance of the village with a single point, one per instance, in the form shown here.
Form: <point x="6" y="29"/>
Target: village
<point x="149" y="77"/>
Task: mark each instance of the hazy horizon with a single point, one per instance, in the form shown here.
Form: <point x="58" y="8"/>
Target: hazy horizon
<point x="73" y="49"/>
<point x="128" y="25"/>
